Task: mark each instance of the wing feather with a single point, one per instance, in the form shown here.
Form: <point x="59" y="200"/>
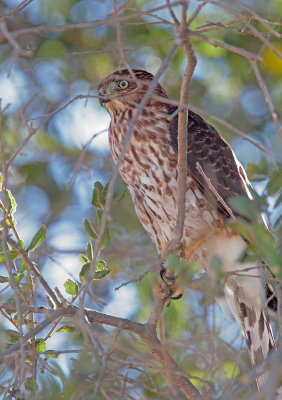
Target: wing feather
<point x="218" y="162"/>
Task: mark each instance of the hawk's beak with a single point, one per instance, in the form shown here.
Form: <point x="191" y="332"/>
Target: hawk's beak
<point x="102" y="99"/>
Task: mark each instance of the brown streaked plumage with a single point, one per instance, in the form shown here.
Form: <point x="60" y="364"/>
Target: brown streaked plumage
<point x="150" y="171"/>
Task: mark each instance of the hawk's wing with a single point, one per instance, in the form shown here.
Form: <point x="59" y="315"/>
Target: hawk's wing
<point x="218" y="162"/>
<point x="245" y="297"/>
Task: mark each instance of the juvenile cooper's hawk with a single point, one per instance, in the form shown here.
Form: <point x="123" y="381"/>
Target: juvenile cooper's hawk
<point x="149" y="169"/>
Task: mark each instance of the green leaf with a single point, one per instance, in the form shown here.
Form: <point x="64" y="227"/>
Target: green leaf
<point x="99" y="214"/>
<point x="241" y="227"/>
<point x="216" y="264"/>
<point x="174" y="262"/>
<point x="67" y="329"/>
<point x="97" y="199"/>
<point x="98" y="185"/>
<point x="25" y="288"/>
<point x="100" y="265"/>
<point x="13" y="254"/>
<point x="101" y="274"/>
<point x="10" y="221"/>
<point x="71" y="287"/>
<point x="13" y="336"/>
<point x="84" y="271"/>
<point x="119" y="194"/>
<point x="106" y="239"/>
<point x="104" y="192"/>
<point x="11" y="203"/>
<point x="21" y="243"/>
<point x="37" y="238"/>
<point x="4" y="279"/>
<point x="100" y="270"/>
<point x="18" y="277"/>
<point x="89" y="230"/>
<point x="28" y="360"/>
<point x="1" y="182"/>
<point x="83" y="259"/>
<point x="51" y="354"/>
<point x="89" y="251"/>
<point x="230" y="370"/>
<point x="11" y="301"/>
<point x="31" y="385"/>
<point x="40" y="345"/>
<point x="244" y="206"/>
<point x="274" y="183"/>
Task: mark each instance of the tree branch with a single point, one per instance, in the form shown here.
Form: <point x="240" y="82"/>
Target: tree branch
<point x="147" y="332"/>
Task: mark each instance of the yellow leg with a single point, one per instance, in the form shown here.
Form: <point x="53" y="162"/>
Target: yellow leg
<point x="189" y="250"/>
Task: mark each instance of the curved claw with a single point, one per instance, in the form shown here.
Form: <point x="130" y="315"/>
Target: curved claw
<point x="166" y="278"/>
<point x="174" y="297"/>
<point x="162" y="273"/>
<point x="171" y="278"/>
<point x="170" y="297"/>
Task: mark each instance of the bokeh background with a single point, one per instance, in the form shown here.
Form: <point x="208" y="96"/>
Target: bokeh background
<point x="52" y="177"/>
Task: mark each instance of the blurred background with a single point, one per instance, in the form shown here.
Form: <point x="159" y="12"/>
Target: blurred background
<point x="53" y="175"/>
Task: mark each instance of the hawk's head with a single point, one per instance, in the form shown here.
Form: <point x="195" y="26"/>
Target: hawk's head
<point x="123" y="89"/>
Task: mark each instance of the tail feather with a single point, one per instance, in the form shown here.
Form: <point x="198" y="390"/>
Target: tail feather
<point x="253" y="318"/>
<point x="257" y="330"/>
<point x="249" y="297"/>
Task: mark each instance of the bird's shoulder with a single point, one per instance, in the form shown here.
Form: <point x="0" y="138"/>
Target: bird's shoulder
<point x="210" y="158"/>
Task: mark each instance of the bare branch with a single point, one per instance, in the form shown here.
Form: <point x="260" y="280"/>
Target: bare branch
<point x="18" y="8"/>
<point x="266" y="95"/>
<point x="182" y="136"/>
<point x="147" y="333"/>
<point x="23" y="255"/>
<point x="229" y="47"/>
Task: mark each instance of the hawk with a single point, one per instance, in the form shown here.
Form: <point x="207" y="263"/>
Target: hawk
<point x="149" y="168"/>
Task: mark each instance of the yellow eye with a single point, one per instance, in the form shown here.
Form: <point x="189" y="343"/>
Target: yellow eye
<point x="123" y="84"/>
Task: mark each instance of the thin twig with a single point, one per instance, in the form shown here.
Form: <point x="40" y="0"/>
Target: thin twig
<point x="18" y="8"/>
<point x="175" y="242"/>
<point x="23" y="255"/>
<point x="147" y="333"/>
<point x="267" y="97"/>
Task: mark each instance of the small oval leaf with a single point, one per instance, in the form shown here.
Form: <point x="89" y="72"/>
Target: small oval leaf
<point x="106" y="239"/>
<point x="40" y="345"/>
<point x="37" y="238"/>
<point x="71" y="287"/>
<point x="89" y="230"/>
<point x="31" y="385"/>
<point x="11" y="203"/>
<point x="67" y="329"/>
<point x="84" y="271"/>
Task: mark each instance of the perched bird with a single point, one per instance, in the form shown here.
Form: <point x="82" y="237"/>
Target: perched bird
<point x="149" y="168"/>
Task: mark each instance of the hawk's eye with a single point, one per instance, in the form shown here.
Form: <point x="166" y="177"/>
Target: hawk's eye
<point x="123" y="84"/>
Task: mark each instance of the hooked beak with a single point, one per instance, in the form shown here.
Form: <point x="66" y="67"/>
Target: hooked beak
<point x="102" y="99"/>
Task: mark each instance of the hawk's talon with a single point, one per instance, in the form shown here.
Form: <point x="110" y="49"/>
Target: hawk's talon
<point x="162" y="273"/>
<point x="166" y="278"/>
<point x="170" y="297"/>
<point x="171" y="278"/>
<point x="174" y="297"/>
